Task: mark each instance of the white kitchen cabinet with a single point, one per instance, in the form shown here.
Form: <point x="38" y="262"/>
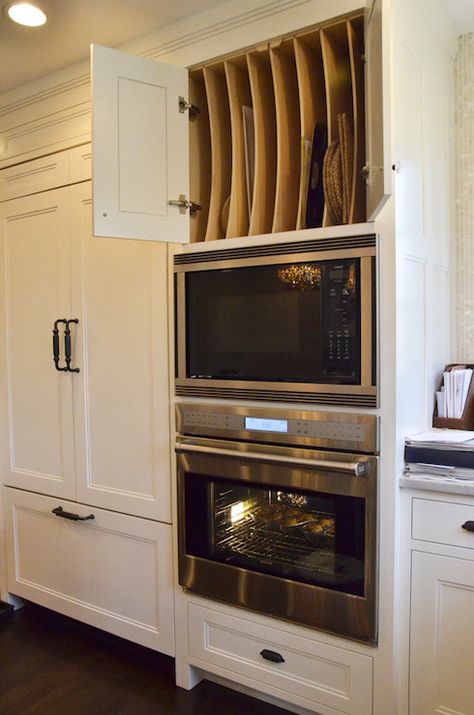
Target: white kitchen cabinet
<point x="100" y="435"/>
<point x="309" y="673"/>
<point x="442" y="608"/>
<point x="140" y="143"/>
<point x="112" y="571"/>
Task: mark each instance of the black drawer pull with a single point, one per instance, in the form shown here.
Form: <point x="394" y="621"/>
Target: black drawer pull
<point x="468" y="526"/>
<point x="272" y="655"/>
<point x="59" y="511"/>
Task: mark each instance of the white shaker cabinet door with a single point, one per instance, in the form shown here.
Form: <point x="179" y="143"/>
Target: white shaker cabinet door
<point x="36" y="398"/>
<point x="442" y="634"/>
<point x="140" y="147"/>
<point x="119" y="292"/>
<point x="379" y="172"/>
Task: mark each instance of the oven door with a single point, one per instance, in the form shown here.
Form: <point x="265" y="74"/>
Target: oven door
<point x="287" y="532"/>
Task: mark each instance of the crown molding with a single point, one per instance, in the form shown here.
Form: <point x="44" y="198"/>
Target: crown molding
<point x="187" y="42"/>
<point x="213" y="29"/>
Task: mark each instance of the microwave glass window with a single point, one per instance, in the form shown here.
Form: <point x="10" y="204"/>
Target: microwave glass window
<point x="283" y="323"/>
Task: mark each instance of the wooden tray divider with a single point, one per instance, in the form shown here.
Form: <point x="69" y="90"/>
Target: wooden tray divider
<point x="200" y="157"/>
<point x="338" y="81"/>
<point x="288" y="136"/>
<point x="312" y="101"/>
<point x="263" y="101"/>
<point x="355" y="34"/>
<point x="221" y="148"/>
<point x="238" y="88"/>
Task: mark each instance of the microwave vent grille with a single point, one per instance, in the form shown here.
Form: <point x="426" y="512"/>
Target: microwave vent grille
<point x="319" y="398"/>
<point x="322" y="244"/>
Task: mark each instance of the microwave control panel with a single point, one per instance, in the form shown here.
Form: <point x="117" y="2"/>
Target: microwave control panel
<point x="340" y="298"/>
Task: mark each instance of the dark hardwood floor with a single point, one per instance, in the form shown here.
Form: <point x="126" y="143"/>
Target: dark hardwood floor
<point x="53" y="665"/>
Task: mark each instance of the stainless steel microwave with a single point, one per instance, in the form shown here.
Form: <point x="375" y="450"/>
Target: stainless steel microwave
<point x="287" y="322"/>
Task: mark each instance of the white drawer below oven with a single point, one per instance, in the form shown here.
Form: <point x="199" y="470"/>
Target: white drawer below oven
<point x="112" y="571"/>
<point x="311" y="673"/>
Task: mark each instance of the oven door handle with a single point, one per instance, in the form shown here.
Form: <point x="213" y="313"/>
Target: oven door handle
<point x="357" y="469"/>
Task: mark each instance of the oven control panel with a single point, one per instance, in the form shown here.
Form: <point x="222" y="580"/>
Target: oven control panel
<point x="357" y="432"/>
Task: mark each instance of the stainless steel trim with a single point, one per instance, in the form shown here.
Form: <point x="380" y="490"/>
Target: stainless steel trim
<point x="269" y="260"/>
<point x="193" y="388"/>
<point x="244" y="439"/>
<point x="366" y="317"/>
<point x="362" y="395"/>
<point x="279" y="249"/>
<point x="354" y="468"/>
<point x="180" y="327"/>
<point x="317" y="606"/>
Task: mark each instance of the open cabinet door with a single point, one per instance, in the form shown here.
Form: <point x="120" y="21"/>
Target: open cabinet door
<point x="378" y="169"/>
<point x="140" y="147"/>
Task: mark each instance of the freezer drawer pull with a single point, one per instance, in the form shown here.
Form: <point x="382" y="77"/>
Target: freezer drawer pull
<point x="272" y="655"/>
<point x="468" y="526"/>
<point x="59" y="511"/>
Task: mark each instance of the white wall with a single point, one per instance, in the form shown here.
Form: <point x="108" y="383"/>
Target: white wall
<point x="464" y="153"/>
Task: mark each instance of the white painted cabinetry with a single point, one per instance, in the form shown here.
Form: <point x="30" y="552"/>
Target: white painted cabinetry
<point x="442" y="606"/>
<point x="100" y="435"/>
<point x="95" y="440"/>
<point x="310" y="673"/>
<point x="112" y="571"/>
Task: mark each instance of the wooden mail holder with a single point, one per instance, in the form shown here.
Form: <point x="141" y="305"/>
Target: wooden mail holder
<point x="465" y="422"/>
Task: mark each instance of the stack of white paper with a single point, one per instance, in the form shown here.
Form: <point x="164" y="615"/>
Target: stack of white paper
<point x="451" y="399"/>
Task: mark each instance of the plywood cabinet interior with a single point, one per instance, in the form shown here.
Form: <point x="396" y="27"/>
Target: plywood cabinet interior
<point x="260" y="110"/>
<point x="277" y="139"/>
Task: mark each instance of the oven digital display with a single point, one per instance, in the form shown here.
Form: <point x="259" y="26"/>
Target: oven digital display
<point x="266" y="425"/>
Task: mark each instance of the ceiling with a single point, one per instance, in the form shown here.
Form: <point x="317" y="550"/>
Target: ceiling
<point x="28" y="53"/>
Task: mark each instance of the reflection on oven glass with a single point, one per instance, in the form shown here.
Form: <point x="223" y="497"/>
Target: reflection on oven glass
<point x="294" y="535"/>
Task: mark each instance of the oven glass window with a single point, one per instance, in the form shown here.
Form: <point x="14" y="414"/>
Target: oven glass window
<point x="281" y="323"/>
<point x="303" y="536"/>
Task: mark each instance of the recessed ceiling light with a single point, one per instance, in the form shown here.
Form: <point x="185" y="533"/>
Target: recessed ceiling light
<point x="25" y="14"/>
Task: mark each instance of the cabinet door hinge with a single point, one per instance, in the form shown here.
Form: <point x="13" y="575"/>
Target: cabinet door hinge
<point x="183" y="106"/>
<point x="183" y="204"/>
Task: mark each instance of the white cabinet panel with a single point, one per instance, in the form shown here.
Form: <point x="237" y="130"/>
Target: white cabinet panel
<point x="409" y="140"/>
<point x="379" y="178"/>
<point x="100" y="435"/>
<point x="119" y="293"/>
<point x="34" y="176"/>
<point x="442" y="634"/>
<point x="112" y="571"/>
<point x="317" y="673"/>
<point x="37" y="399"/>
<point x="441" y="522"/>
<point x="140" y="145"/>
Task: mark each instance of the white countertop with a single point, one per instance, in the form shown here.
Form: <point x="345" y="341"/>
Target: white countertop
<point x="437" y="484"/>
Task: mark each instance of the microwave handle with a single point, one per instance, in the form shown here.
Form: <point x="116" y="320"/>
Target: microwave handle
<point x="357" y="469"/>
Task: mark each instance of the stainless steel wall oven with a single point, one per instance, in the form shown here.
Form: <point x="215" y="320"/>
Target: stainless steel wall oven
<point x="292" y="322"/>
<point x="277" y="513"/>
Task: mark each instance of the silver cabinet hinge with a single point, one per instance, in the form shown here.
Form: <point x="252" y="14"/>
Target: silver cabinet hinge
<point x="183" y="204"/>
<point x="183" y="106"/>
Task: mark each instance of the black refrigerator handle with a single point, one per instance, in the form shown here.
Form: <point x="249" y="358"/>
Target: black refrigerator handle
<point x="67" y="345"/>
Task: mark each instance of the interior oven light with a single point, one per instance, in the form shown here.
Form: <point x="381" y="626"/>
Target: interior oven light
<point x="237" y="512"/>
